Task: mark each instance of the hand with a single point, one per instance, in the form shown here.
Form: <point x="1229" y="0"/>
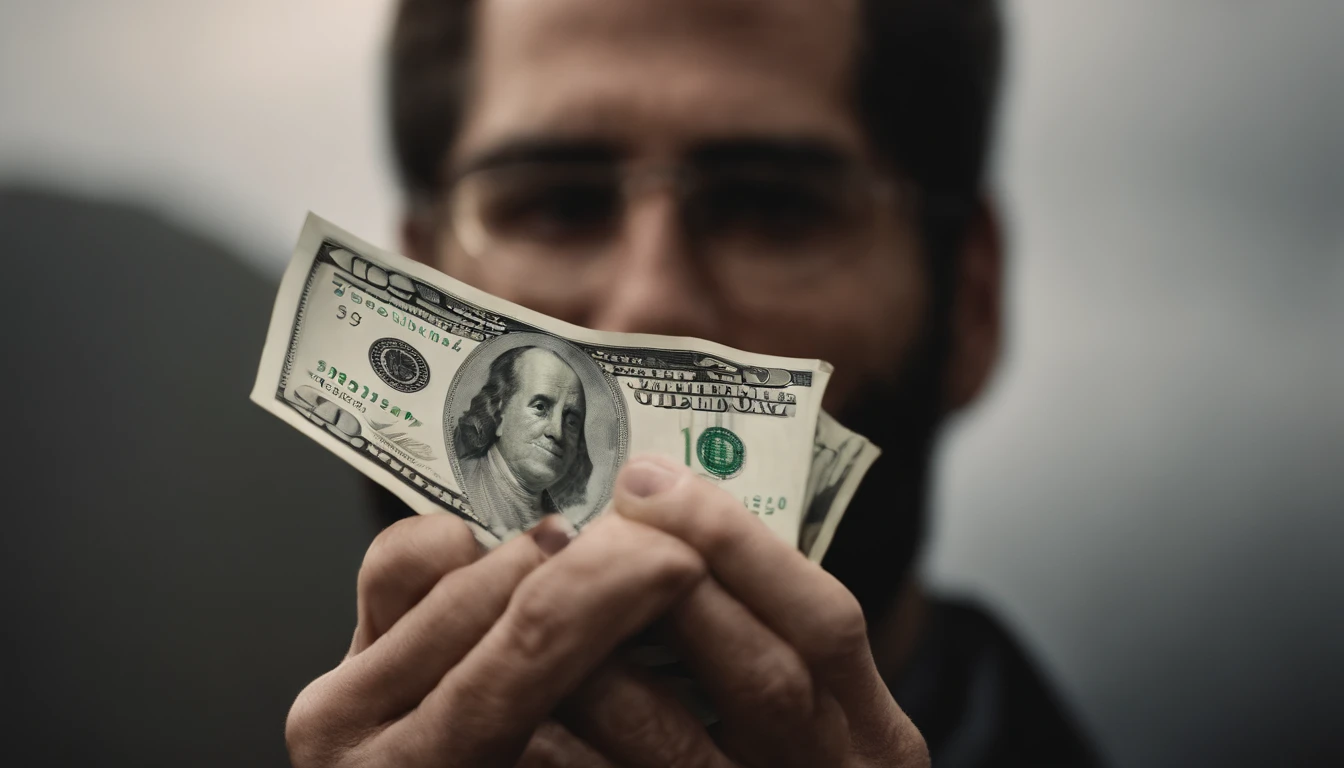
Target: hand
<point x="463" y="660"/>
<point x="779" y="644"/>
<point x="459" y="659"/>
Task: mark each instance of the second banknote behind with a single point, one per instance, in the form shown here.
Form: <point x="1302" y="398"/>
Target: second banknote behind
<point x="462" y="402"/>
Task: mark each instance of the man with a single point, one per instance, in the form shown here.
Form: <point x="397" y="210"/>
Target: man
<point x="520" y="443"/>
<point x="796" y="177"/>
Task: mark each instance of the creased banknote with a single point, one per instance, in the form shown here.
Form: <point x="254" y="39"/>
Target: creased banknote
<point x="461" y="402"/>
<point x="840" y="459"/>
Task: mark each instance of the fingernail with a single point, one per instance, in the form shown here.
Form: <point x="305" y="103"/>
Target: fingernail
<point x="643" y="478"/>
<point x="553" y="533"/>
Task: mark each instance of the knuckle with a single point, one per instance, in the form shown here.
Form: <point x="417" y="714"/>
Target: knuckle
<point x="386" y="553"/>
<point x="716" y="530"/>
<point x="778" y="684"/>
<point x="414" y="552"/>
<point x="674" y="565"/>
<point x="380" y="576"/>
<point x="312" y="729"/>
<point x="461" y="540"/>
<point x="661" y="561"/>
<point x="909" y="744"/>
<point x="842" y="630"/>
<point x="300" y="726"/>
<point x="891" y="739"/>
<point x="533" y="620"/>
<point x="847" y="623"/>
<point x="544" y="750"/>
<point x="714" y="512"/>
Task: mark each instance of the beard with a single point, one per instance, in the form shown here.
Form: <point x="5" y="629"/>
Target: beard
<point x="882" y="532"/>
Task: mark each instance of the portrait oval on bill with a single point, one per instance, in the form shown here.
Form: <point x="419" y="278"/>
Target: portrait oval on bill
<point x="534" y="426"/>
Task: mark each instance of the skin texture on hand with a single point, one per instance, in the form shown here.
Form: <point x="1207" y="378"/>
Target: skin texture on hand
<point x="507" y="658"/>
<point x="779" y="644"/>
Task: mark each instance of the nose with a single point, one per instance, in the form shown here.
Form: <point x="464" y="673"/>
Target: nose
<point x="656" y="285"/>
<point x="555" y="426"/>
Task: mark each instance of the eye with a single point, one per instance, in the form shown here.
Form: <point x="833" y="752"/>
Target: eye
<point x="540" y="407"/>
<point x="769" y="208"/>
<point x="550" y="208"/>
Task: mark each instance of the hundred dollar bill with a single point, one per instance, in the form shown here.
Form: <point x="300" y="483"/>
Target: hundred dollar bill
<point x="840" y="459"/>
<point x="460" y="402"/>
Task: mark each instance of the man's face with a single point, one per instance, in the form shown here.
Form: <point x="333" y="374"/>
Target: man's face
<point x="539" y="427"/>
<point x="705" y="84"/>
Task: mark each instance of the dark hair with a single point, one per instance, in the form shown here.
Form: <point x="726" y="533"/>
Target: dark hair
<point x="476" y="430"/>
<point x="925" y="85"/>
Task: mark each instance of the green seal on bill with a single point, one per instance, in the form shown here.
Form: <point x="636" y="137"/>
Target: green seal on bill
<point x="720" y="452"/>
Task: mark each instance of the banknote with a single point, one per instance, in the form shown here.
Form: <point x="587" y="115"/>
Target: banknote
<point x="840" y="459"/>
<point x="460" y="402"/>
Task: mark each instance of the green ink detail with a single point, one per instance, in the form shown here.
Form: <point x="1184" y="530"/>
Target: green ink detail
<point x="686" y="433"/>
<point x="720" y="451"/>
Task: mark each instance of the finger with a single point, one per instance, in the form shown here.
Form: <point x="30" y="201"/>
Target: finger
<point x="762" y="688"/>
<point x="403" y="563"/>
<point x="552" y="746"/>
<point x="562" y="621"/>
<point x="398" y="670"/>
<point x="627" y="717"/>
<point x="806" y="606"/>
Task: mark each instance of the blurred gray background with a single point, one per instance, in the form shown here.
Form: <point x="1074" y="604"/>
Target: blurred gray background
<point x="1152" y="493"/>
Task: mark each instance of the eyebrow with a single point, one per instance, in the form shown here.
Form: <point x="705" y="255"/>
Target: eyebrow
<point x="793" y="152"/>
<point x="527" y="150"/>
<point x="769" y="150"/>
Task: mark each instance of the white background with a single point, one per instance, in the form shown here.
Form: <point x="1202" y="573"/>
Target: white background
<point x="1153" y="490"/>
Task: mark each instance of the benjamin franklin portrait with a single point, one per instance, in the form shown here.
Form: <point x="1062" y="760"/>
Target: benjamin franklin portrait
<point x="522" y="443"/>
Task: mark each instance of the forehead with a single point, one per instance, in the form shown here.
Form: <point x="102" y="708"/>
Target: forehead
<point x="657" y="75"/>
<point x="542" y="371"/>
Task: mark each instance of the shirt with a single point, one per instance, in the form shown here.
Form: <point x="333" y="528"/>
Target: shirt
<point x="979" y="700"/>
